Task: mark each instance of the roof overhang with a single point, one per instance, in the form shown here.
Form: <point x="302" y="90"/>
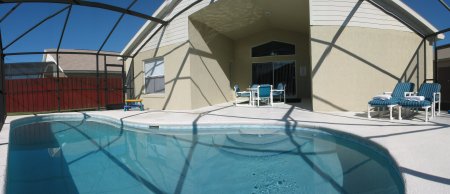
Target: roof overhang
<point x="408" y="15"/>
<point x="149" y="27"/>
<point x="396" y="7"/>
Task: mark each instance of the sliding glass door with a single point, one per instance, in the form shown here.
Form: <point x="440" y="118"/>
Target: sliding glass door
<point x="274" y="73"/>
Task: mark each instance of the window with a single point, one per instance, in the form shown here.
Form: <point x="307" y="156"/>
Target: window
<point x="273" y="48"/>
<point x="154" y="76"/>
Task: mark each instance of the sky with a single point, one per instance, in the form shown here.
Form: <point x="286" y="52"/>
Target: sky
<point x="433" y="12"/>
<point x="88" y="27"/>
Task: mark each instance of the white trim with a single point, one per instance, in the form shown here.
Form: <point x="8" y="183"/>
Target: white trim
<point x="149" y="26"/>
<point x="49" y="58"/>
<point x="267" y="42"/>
<point x="415" y="14"/>
<point x="156" y="76"/>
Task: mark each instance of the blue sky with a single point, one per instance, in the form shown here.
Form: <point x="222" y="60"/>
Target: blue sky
<point x="88" y="27"/>
<point x="434" y="12"/>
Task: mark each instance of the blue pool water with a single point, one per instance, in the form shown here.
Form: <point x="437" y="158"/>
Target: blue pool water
<point x="92" y="157"/>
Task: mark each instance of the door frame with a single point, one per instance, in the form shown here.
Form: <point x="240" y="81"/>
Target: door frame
<point x="106" y="81"/>
<point x="295" y="95"/>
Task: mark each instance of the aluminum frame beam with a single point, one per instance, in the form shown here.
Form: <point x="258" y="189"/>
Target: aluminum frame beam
<point x="397" y="18"/>
<point x="65" y="52"/>
<point x="437" y="33"/>
<point x="444" y="4"/>
<point x="9" y="12"/>
<point x="36" y="25"/>
<point x="115" y="26"/>
<point x="92" y="4"/>
<point x="162" y="26"/>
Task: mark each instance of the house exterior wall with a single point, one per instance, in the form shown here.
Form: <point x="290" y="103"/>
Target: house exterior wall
<point x="177" y="31"/>
<point x="353" y="51"/>
<point x="358" y="51"/>
<point x="196" y="71"/>
<point x="443" y="74"/>
<point x="444" y="63"/>
<point x="363" y="14"/>
<point x="176" y="76"/>
<point x="211" y="56"/>
<point x="182" y="91"/>
<point x="352" y="64"/>
<point x="443" y="54"/>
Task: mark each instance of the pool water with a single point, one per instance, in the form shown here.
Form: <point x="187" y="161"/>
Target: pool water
<point x="92" y="157"/>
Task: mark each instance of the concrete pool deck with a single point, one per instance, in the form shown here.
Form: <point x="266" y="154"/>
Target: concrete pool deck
<point x="421" y="149"/>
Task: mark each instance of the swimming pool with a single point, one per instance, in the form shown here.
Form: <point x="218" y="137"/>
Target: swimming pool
<point x="92" y="156"/>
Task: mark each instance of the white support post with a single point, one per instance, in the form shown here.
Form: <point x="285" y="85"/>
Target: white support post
<point x="433" y="109"/>
<point x="399" y="112"/>
<point x="390" y="113"/>
<point x="426" y="114"/>
<point x="433" y="105"/>
<point x="439" y="105"/>
<point x="271" y="96"/>
<point x="368" y="111"/>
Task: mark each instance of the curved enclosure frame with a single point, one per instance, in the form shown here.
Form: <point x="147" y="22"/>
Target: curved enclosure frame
<point x="101" y="83"/>
<point x="123" y="10"/>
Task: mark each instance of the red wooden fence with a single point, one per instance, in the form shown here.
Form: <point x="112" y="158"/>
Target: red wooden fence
<point x="39" y="95"/>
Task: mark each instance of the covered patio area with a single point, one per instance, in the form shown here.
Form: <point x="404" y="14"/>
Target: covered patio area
<point x="251" y="42"/>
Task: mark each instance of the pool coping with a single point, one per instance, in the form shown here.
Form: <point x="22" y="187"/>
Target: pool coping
<point x="182" y="128"/>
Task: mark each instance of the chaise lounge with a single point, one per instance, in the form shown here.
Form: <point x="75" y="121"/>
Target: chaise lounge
<point x="394" y="97"/>
<point x="430" y="94"/>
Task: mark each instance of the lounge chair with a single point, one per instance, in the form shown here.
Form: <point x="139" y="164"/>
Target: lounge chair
<point x="432" y="95"/>
<point x="264" y="92"/>
<point x="280" y="92"/>
<point x="399" y="92"/>
<point x="240" y="94"/>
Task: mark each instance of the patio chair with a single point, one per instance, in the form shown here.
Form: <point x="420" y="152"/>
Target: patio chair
<point x="399" y="92"/>
<point x="264" y="93"/>
<point x="280" y="91"/>
<point x="240" y="93"/>
<point x="432" y="95"/>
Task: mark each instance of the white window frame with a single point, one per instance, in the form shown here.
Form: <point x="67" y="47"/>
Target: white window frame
<point x="154" y="76"/>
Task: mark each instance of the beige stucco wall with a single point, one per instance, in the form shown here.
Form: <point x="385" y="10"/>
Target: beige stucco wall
<point x="352" y="64"/>
<point x="211" y="55"/>
<point x="241" y="70"/>
<point x="176" y="76"/>
<point x="196" y="71"/>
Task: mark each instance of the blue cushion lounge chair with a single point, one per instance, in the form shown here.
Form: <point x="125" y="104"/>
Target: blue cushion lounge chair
<point x="280" y="92"/>
<point x="264" y="93"/>
<point x="399" y="92"/>
<point x="240" y="93"/>
<point x="431" y="92"/>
